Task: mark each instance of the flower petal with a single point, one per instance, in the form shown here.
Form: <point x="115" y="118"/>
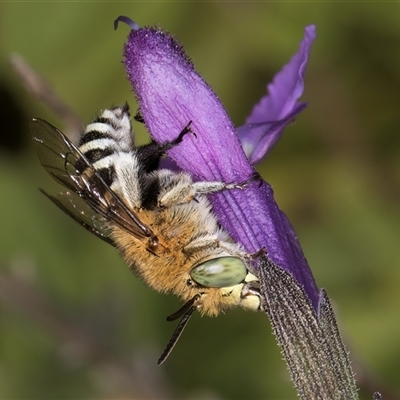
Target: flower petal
<point x="171" y="93"/>
<point x="258" y="139"/>
<point x="279" y="106"/>
<point x="287" y="86"/>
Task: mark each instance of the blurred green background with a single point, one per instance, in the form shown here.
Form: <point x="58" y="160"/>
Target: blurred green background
<point x="75" y="323"/>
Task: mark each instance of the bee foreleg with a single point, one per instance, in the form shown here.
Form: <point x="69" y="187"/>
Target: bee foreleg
<point x="203" y="243"/>
<point x="250" y="295"/>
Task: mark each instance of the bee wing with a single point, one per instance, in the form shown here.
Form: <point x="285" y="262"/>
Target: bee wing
<point x="60" y="157"/>
<point x="77" y="209"/>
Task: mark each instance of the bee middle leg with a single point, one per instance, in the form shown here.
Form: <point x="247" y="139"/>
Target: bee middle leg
<point x="186" y="191"/>
<point x="209" y="187"/>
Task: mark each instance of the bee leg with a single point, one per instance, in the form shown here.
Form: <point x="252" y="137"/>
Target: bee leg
<point x="207" y="242"/>
<point x="150" y="154"/>
<point x="255" y="177"/>
<point x="139" y="117"/>
<point x="169" y="145"/>
<point x="199" y="244"/>
<point x="250" y="295"/>
<point x="228" y="247"/>
<point x="209" y="187"/>
<point x="258" y="253"/>
<point x="186" y="191"/>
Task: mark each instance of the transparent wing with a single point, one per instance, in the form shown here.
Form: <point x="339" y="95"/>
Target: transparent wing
<point x="60" y="157"/>
<point x="78" y="210"/>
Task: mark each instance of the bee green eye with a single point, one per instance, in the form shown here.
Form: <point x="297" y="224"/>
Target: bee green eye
<point x="219" y="272"/>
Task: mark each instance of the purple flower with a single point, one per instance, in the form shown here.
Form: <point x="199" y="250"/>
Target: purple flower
<point x="171" y="93"/>
<point x="265" y="125"/>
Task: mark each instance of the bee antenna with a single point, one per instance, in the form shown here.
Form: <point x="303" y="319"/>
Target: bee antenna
<point x="176" y="335"/>
<point x="134" y="26"/>
<point x="179" y="329"/>
<point x="184" y="309"/>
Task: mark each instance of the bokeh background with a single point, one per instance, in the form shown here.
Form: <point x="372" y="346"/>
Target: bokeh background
<point x="75" y="323"/>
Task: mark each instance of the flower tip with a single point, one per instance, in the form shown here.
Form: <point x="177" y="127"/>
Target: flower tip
<point x="311" y="30"/>
<point x="134" y="26"/>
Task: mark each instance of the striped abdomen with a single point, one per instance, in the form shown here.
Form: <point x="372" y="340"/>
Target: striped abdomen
<point x="108" y="134"/>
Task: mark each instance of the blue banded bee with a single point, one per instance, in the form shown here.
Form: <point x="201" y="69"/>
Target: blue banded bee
<point x="161" y="221"/>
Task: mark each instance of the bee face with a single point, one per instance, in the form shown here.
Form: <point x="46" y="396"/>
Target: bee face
<point x="160" y="220"/>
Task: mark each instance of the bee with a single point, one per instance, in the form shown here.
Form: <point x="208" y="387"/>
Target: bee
<point x="160" y="220"/>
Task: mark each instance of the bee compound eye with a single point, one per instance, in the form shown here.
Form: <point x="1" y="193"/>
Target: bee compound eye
<point x="219" y="272"/>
